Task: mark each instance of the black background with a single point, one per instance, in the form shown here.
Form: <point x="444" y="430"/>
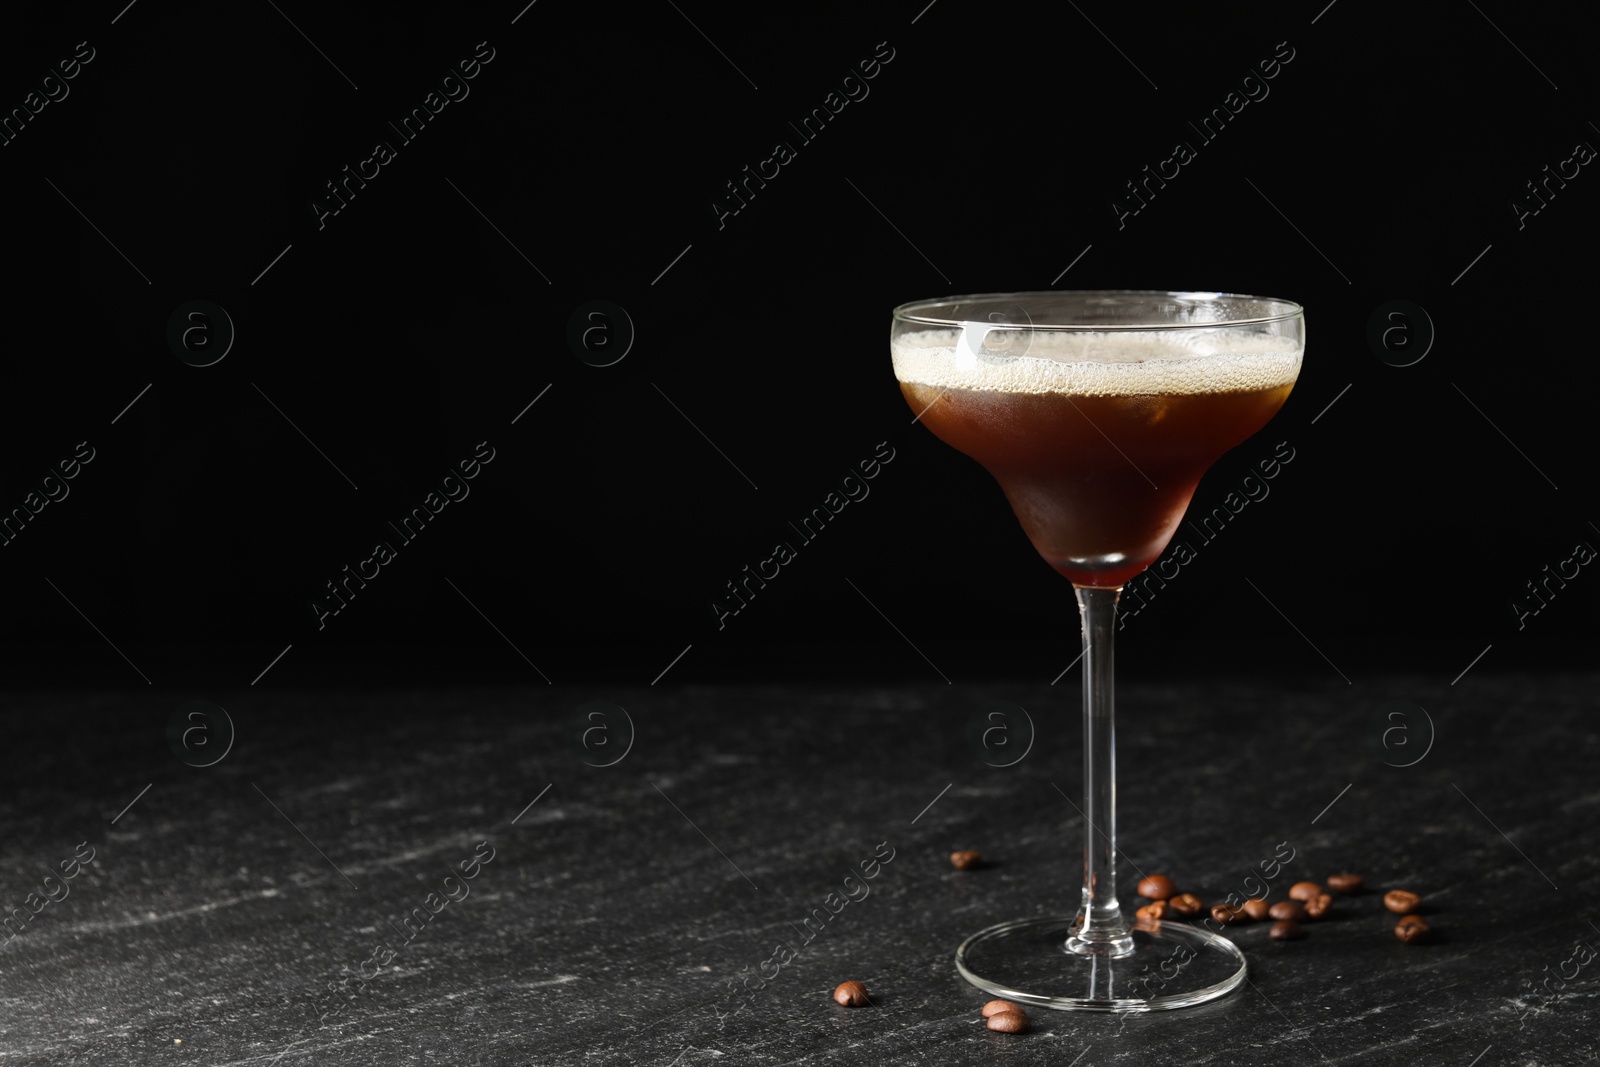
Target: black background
<point x="985" y="158"/>
<point x="1269" y="691"/>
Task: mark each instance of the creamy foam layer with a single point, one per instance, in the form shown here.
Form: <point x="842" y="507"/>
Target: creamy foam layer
<point x="1096" y="364"/>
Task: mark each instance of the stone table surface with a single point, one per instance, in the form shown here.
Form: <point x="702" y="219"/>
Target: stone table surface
<point x="254" y="911"/>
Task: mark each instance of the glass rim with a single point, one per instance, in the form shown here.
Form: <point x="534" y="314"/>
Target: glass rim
<point x="908" y="312"/>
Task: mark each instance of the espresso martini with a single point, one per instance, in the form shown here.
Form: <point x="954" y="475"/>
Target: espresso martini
<point x="1097" y="438"/>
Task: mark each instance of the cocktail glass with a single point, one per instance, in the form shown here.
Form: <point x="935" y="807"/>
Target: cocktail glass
<point x="1098" y="413"/>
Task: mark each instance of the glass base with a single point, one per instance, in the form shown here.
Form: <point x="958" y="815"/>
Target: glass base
<point x="1172" y="965"/>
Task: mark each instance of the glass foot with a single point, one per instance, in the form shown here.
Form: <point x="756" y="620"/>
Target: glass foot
<point x="1172" y="965"/>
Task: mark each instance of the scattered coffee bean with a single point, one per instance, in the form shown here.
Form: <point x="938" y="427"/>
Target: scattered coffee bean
<point x="1288" y="911"/>
<point x="1155" y="910"/>
<point x="1186" y="905"/>
<point x="1344" y="883"/>
<point x="1008" y="1022"/>
<point x="1157" y="887"/>
<point x="995" y="1007"/>
<point x="1400" y="901"/>
<point x="962" y="861"/>
<point x="1307" y="900"/>
<point x="850" y="994"/>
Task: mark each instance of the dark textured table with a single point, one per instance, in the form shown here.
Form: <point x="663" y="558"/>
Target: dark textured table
<point x="276" y="908"/>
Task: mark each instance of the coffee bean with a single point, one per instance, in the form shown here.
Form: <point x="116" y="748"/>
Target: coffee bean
<point x="1009" y="1022"/>
<point x="1344" y="883"/>
<point x="1319" y="905"/>
<point x="1400" y="901"/>
<point x="1152" y="912"/>
<point x="1255" y="908"/>
<point x="1288" y="910"/>
<point x="1412" y="928"/>
<point x="1186" y="905"/>
<point x="966" y="860"/>
<point x="850" y="994"/>
<point x="995" y="1007"/>
<point x="1226" y="914"/>
<point x="1157" y="887"/>
<point x="1304" y="890"/>
<point x="1285" y="930"/>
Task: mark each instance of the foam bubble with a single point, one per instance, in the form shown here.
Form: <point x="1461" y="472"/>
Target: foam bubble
<point x="1098" y="363"/>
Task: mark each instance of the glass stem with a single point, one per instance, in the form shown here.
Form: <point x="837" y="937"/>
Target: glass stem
<point x="1101" y="930"/>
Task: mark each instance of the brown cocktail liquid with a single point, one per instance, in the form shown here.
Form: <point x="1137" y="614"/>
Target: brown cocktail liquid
<point x="1098" y="471"/>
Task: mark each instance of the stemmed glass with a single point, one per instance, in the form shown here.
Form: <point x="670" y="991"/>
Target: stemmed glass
<point x="1098" y="413"/>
